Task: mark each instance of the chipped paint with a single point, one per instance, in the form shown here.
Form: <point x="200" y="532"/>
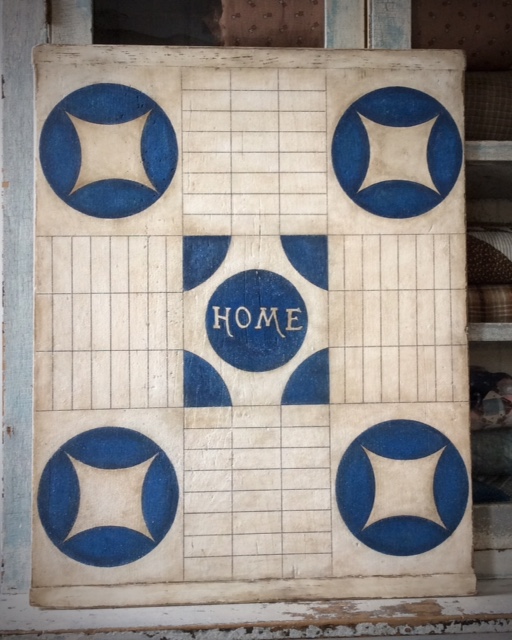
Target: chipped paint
<point x="491" y="611"/>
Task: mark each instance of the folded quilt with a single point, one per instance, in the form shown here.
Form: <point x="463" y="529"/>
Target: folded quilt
<point x="488" y="489"/>
<point x="490" y="303"/>
<point x="491" y="452"/>
<point x="489" y="255"/>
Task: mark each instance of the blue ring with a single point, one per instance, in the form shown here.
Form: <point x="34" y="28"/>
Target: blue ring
<point x="396" y="107"/>
<point x="58" y="498"/>
<point x="355" y="488"/>
<point x="107" y="104"/>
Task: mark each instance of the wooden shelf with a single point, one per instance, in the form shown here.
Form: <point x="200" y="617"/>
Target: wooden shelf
<point x="488" y="169"/>
<point x="490" y="332"/>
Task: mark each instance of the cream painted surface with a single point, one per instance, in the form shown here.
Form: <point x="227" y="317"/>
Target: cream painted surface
<point x="258" y="516"/>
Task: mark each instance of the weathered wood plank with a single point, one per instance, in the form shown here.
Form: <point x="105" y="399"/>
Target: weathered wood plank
<point x="390" y="24"/>
<point x="489" y="611"/>
<point x="71" y="22"/>
<point x="236" y="57"/>
<point x="489" y="150"/>
<point x="23" y="26"/>
<point x="345" y="24"/>
<point x="490" y="332"/>
<point x="492" y="526"/>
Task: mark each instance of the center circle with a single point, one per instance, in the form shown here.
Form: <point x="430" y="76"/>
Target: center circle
<point x="256" y="320"/>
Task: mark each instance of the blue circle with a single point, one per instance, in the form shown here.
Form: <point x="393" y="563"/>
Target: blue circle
<point x="256" y="320"/>
<point x="107" y="104"/>
<point x="58" y="497"/>
<point x="396" y="107"/>
<point x="355" y="488"/>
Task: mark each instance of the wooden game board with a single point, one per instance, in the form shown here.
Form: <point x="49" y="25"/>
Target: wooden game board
<point x="250" y="367"/>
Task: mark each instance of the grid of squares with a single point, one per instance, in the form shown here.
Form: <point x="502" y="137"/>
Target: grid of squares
<point x="254" y="151"/>
<point x="397" y="318"/>
<point x="109" y="330"/>
<point x="257" y="493"/>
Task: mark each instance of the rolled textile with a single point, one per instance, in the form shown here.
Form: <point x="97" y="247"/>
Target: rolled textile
<point x="490" y="303"/>
<point x="489" y="254"/>
<point x="491" y="452"/>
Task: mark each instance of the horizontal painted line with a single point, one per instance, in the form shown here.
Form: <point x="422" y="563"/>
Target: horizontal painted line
<point x="277" y="90"/>
<point x="255" y="193"/>
<point x="237" y="491"/>
<point x="259" y="555"/>
<point x="253" y="533"/>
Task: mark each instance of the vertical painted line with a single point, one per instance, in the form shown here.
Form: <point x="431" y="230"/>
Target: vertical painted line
<point x="71" y="295"/>
<point x="110" y="310"/>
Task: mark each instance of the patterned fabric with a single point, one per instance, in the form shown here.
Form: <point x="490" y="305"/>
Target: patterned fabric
<point x="488" y="489"/>
<point x="483" y="28"/>
<point x="491" y="303"/>
<point x="489" y="255"/>
<point x="490" y="398"/>
<point x="488" y="104"/>
<point x="273" y="23"/>
<point x="491" y="452"/>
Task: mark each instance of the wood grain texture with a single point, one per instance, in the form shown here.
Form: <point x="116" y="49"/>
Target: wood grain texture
<point x="345" y="24"/>
<point x="390" y="24"/>
<point x="240" y="57"/>
<point x="23" y="26"/>
<point x="71" y="22"/>
<point x="489" y="611"/>
<point x="139" y="595"/>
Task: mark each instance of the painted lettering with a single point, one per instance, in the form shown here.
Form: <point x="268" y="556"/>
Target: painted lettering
<point x="217" y="318"/>
<point x="267" y="319"/>
<point x="292" y="317"/>
<point x="248" y="317"/>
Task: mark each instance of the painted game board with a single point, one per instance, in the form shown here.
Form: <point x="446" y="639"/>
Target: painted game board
<point x="250" y="350"/>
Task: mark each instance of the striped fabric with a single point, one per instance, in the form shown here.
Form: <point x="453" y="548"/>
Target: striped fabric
<point x="490" y="303"/>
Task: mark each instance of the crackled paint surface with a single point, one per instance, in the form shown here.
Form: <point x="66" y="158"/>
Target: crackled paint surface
<point x="250" y="327"/>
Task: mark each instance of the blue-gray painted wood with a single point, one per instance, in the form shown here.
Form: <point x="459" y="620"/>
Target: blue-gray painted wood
<point x="390" y="24"/>
<point x="71" y="22"/>
<point x="23" y="26"/>
<point x="345" y="24"/>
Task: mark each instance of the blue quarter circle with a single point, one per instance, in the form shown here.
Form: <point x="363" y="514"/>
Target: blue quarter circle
<point x="309" y="255"/>
<point x="309" y="383"/>
<point x="202" y="256"/>
<point x="203" y="385"/>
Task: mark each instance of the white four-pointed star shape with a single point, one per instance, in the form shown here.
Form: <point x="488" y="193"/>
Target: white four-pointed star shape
<point x="398" y="153"/>
<point x="110" y="497"/>
<point x="111" y="151"/>
<point x="404" y="487"/>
